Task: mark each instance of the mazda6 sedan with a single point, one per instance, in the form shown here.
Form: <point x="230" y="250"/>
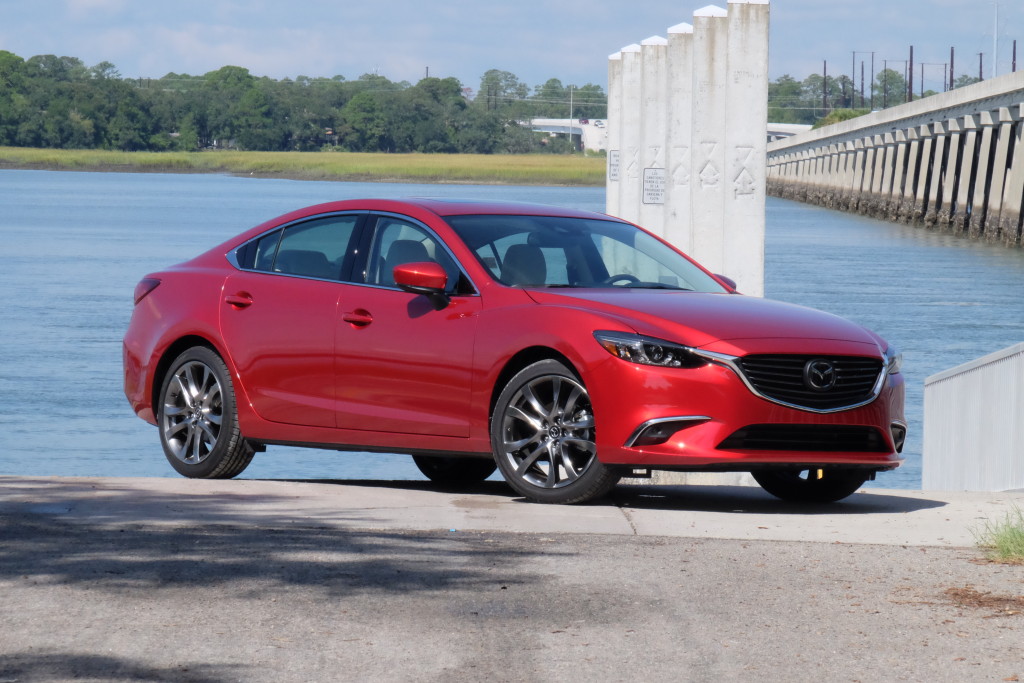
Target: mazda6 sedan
<point x="565" y="348"/>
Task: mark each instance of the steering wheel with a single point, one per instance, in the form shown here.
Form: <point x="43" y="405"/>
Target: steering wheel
<point x="621" y="277"/>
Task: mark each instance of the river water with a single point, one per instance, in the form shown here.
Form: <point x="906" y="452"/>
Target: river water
<point x="75" y="244"/>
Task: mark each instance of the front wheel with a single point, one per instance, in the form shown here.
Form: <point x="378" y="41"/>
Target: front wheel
<point x="811" y="486"/>
<point x="542" y="434"/>
<point x="197" y="419"/>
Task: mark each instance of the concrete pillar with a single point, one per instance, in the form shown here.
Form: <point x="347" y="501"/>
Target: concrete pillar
<point x="905" y="203"/>
<point x="848" y="172"/>
<point x="708" y="157"/>
<point x="859" y="164"/>
<point x="968" y="153"/>
<point x="888" y="173"/>
<point x="613" y="125"/>
<point x="630" y="137"/>
<point x="747" y="143"/>
<point x="924" y="173"/>
<point x="944" y="215"/>
<point x="894" y="198"/>
<point x="976" y="223"/>
<point x="654" y="132"/>
<point x="1000" y="166"/>
<point x="678" y="228"/>
<point x="872" y="149"/>
<point x="938" y="171"/>
<point x="1013" y="193"/>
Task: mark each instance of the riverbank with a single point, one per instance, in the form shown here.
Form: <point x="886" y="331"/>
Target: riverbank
<point x="499" y="169"/>
<point x="113" y="578"/>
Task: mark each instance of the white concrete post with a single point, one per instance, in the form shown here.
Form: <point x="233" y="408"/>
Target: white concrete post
<point x="710" y="76"/>
<point x="678" y="228"/>
<point x="613" y="125"/>
<point x="630" y="138"/>
<point x="654" y="132"/>
<point x="906" y="203"/>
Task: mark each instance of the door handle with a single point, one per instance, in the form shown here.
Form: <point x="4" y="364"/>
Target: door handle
<point x="358" y="317"/>
<point x="240" y="300"/>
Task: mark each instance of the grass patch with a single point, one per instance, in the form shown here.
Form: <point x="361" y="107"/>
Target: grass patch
<point x="522" y="169"/>
<point x="1003" y="541"/>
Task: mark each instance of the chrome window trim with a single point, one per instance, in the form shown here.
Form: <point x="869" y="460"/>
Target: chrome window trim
<point x="433" y="234"/>
<point x="232" y="255"/>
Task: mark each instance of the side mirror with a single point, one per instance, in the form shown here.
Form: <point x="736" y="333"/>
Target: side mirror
<point x="424" y="277"/>
<point x="727" y="280"/>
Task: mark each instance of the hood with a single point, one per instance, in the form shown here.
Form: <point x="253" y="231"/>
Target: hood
<point x="706" y="320"/>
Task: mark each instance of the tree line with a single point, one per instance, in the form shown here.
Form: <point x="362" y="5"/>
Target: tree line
<point x="821" y="99"/>
<point x="59" y="102"/>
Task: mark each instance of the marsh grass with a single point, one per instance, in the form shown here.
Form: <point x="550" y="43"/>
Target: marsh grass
<point x="1003" y="540"/>
<point x="526" y="169"/>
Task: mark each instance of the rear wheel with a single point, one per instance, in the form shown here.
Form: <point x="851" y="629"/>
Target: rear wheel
<point x="811" y="486"/>
<point x="197" y="418"/>
<point x="454" y="471"/>
<point x="542" y="434"/>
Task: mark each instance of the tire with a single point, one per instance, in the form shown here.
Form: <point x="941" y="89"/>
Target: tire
<point x="455" y="472"/>
<point x="542" y="435"/>
<point x="811" y="486"/>
<point x="197" y="419"/>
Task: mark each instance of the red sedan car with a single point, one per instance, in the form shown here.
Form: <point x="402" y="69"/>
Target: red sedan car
<point x="566" y="348"/>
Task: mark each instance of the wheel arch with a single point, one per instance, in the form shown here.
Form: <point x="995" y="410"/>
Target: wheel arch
<point x="176" y="348"/>
<point x="523" y="359"/>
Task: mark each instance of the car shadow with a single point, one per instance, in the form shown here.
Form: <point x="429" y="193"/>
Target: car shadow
<point x="693" y="498"/>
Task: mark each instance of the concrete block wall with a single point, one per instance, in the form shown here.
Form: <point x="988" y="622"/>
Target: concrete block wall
<point x="974" y="425"/>
<point x="953" y="162"/>
<point x="686" y="137"/>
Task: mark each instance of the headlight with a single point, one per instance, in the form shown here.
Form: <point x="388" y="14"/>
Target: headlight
<point x="893" y="360"/>
<point x="648" y="350"/>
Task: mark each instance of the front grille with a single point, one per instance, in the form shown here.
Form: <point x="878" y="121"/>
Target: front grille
<point x="781" y="378"/>
<point x="821" y="438"/>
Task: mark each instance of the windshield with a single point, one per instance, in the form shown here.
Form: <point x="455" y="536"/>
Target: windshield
<point x="545" y="251"/>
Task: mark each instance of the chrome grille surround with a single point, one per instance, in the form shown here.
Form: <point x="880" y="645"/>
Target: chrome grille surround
<point x="779" y="378"/>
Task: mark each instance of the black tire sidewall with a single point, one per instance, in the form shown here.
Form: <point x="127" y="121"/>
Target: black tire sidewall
<point x="227" y="440"/>
<point x="595" y="481"/>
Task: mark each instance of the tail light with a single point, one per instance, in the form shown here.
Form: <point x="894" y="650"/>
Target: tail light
<point x="145" y="286"/>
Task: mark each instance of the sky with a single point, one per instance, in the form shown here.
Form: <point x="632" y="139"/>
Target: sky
<point x="534" y="39"/>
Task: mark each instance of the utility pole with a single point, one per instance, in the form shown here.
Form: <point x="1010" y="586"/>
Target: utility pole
<point x="981" y="61"/>
<point x="872" y="81"/>
<point x="824" y="88"/>
<point x="951" y="77"/>
<point x="910" y="77"/>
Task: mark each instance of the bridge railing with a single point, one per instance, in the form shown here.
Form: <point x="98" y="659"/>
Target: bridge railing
<point x="953" y="162"/>
<point x="974" y="425"/>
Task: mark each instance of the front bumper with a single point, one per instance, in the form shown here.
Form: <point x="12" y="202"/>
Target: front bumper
<point x="718" y="423"/>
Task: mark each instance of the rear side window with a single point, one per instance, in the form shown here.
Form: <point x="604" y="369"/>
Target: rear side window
<point x="320" y="248"/>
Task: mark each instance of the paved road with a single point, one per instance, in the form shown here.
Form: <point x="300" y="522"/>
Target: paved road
<point x="169" y="579"/>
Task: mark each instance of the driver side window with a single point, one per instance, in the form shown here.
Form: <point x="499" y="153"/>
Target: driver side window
<point x="396" y="242"/>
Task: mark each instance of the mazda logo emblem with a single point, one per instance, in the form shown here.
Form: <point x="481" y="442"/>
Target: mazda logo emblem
<point x="819" y="374"/>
